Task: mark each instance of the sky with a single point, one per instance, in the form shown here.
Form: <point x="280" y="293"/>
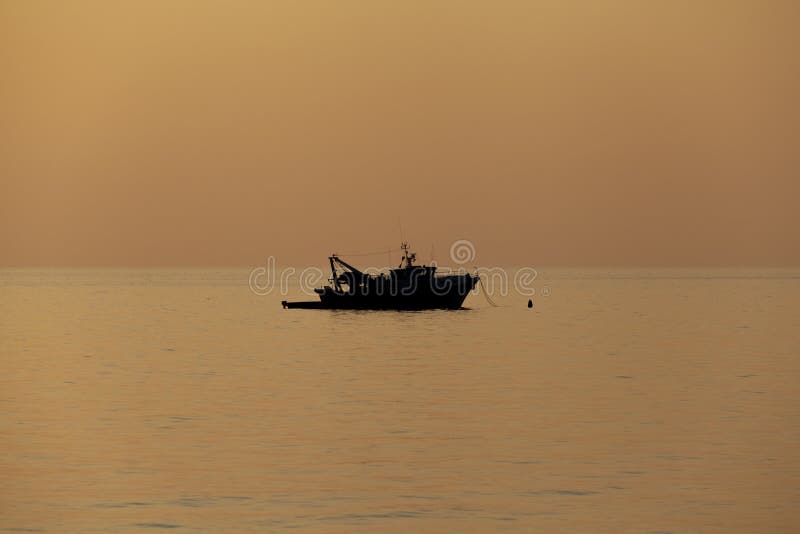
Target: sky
<point x="586" y="133"/>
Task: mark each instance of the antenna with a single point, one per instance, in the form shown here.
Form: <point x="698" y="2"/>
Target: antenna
<point x="400" y="224"/>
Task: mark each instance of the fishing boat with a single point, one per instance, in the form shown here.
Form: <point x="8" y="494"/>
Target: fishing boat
<point x="409" y="287"/>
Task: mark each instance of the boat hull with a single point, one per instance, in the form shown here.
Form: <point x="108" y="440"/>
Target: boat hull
<point x="445" y="292"/>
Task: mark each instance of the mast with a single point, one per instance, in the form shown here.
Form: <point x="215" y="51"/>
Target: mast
<point x="334" y="278"/>
<point x="408" y="258"/>
<point x="355" y="276"/>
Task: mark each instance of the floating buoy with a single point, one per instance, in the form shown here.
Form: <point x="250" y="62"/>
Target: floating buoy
<point x="530" y="303"/>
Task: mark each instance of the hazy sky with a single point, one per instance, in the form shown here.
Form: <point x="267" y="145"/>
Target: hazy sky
<point x="547" y="132"/>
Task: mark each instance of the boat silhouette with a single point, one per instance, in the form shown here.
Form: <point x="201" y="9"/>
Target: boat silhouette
<point x="409" y="287"/>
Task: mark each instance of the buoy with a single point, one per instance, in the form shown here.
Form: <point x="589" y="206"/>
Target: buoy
<point x="530" y="303"/>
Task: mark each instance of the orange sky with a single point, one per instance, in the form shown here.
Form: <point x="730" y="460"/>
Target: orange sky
<point x="558" y="132"/>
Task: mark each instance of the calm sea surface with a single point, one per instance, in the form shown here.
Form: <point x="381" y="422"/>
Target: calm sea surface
<point x="625" y="401"/>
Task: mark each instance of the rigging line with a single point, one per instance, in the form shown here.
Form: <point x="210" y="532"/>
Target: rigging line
<point x="379" y="253"/>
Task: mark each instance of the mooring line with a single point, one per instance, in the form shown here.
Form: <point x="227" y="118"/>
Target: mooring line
<point x="486" y="293"/>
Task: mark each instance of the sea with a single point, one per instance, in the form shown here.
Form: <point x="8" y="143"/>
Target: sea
<point x="625" y="400"/>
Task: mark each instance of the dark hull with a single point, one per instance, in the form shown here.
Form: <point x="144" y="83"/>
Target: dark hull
<point x="442" y="294"/>
<point x="316" y="305"/>
<point x="306" y="305"/>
